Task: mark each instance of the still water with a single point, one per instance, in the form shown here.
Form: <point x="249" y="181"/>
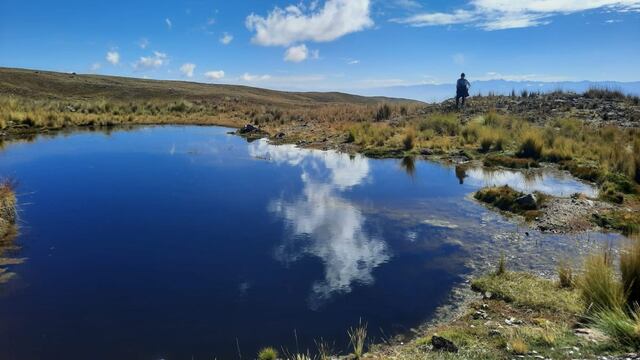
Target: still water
<point x="187" y="242"/>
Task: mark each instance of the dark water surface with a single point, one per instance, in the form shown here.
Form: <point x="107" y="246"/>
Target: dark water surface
<point x="186" y="242"/>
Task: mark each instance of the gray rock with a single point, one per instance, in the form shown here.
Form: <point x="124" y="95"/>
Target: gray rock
<point x="528" y="201"/>
<point x="248" y="129"/>
<point x="441" y="344"/>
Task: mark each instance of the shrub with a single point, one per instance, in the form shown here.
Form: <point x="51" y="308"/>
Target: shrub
<point x="531" y="146"/>
<point x="409" y="140"/>
<point x="384" y="113"/>
<point x="350" y="137"/>
<point x="565" y="275"/>
<point x="485" y="144"/>
<point x="502" y="265"/>
<point x="499" y="143"/>
<point x="599" y="287"/>
<point x="518" y="346"/>
<point x="268" y="353"/>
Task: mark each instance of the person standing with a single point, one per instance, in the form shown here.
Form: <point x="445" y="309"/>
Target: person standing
<point x="462" y="90"/>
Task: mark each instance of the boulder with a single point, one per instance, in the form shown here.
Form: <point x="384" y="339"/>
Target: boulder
<point x="248" y="129"/>
<point x="441" y="344"/>
<point x="528" y="201"/>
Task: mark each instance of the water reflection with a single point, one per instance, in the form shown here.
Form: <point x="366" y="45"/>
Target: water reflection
<point x="408" y="163"/>
<point x="547" y="181"/>
<point x="324" y="224"/>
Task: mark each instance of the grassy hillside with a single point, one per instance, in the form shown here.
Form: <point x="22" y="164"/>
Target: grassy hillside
<point x="35" y="84"/>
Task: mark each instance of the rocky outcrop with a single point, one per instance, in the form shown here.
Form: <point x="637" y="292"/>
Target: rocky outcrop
<point x="540" y="108"/>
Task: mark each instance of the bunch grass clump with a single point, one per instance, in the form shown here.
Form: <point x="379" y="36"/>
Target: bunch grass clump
<point x="268" y="353"/>
<point x="357" y="339"/>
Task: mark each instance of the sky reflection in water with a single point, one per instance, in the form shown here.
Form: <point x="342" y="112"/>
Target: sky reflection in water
<point x="172" y="242"/>
<point x="322" y="223"/>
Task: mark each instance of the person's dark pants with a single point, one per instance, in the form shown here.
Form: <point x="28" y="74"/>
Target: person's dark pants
<point x="458" y="97"/>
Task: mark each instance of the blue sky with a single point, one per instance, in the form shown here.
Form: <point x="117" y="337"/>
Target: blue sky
<point x="327" y="44"/>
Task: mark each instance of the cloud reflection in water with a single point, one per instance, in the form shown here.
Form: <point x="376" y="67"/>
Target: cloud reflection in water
<point x="322" y="223"/>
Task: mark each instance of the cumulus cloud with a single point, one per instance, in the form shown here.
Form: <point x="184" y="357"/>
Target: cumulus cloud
<point x="226" y="38"/>
<point x="169" y="23"/>
<point x="296" y="53"/>
<point x="296" y="23"/>
<point x="214" y="75"/>
<point x="113" y="57"/>
<point x="151" y="62"/>
<point x="511" y="14"/>
<point x="187" y="69"/>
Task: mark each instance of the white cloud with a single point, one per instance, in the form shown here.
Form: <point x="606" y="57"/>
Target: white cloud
<point x="285" y="82"/>
<point x="296" y="53"/>
<point x="492" y="75"/>
<point x="353" y="62"/>
<point x="407" y="4"/>
<point x="214" y="75"/>
<point x="143" y="43"/>
<point x="169" y="23"/>
<point x="226" y="38"/>
<point x="253" y="78"/>
<point x="113" y="57"/>
<point x="151" y="62"/>
<point x="283" y="27"/>
<point x="431" y="19"/>
<point x="95" y="67"/>
<point x="187" y="69"/>
<point x="511" y="14"/>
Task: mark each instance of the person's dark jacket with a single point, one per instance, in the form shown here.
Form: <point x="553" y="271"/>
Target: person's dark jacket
<point x="462" y="88"/>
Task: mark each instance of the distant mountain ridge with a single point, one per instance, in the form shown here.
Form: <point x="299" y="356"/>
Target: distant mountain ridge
<point x="440" y="92"/>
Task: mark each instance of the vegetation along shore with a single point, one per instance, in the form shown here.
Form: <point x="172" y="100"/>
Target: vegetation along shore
<point x="582" y="313"/>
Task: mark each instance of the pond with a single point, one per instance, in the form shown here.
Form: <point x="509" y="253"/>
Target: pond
<point x="187" y="242"/>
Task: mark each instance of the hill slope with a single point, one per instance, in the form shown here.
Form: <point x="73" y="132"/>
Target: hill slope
<point x="37" y="84"/>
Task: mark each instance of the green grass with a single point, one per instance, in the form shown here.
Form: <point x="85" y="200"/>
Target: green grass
<point x="527" y="290"/>
<point x="598" y="283"/>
